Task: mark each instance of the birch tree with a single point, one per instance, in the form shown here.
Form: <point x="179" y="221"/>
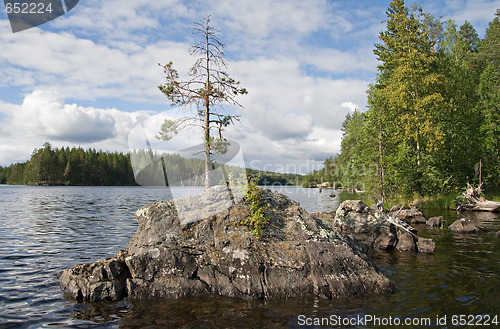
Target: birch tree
<point x="407" y="78"/>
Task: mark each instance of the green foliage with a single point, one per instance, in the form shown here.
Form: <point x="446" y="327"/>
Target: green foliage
<point x="433" y="111"/>
<point x="168" y="130"/>
<point x="440" y="201"/>
<point x="257" y="219"/>
<point x="493" y="195"/>
<point x="408" y="90"/>
<point x="489" y="102"/>
<point x="358" y="161"/>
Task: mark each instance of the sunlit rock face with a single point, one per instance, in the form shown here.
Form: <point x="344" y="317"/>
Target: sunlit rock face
<point x="375" y="228"/>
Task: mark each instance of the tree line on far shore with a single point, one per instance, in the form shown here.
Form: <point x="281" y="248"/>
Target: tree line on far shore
<point x="76" y="166"/>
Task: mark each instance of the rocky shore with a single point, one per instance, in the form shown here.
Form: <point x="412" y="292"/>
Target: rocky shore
<point x="297" y="254"/>
<point x="377" y="229"/>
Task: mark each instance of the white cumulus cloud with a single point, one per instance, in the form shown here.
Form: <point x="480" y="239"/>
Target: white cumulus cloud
<point x="44" y="116"/>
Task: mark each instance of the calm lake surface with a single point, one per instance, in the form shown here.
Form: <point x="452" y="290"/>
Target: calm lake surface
<point x="44" y="230"/>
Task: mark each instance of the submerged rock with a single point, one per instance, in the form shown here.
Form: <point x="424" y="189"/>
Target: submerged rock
<point x="296" y="255"/>
<point x="412" y="216"/>
<point x="102" y="280"/>
<point x="426" y="246"/>
<point x="435" y="221"/>
<point x="373" y="228"/>
<point x="466" y="226"/>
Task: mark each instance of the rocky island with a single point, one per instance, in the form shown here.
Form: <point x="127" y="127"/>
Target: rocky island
<point x="297" y="254"/>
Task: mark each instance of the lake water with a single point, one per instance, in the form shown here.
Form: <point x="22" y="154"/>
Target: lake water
<point x="44" y="230"/>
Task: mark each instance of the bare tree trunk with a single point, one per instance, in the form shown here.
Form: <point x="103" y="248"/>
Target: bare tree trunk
<point x="417" y="139"/>
<point x="208" y="160"/>
<point x="380" y="166"/>
<point x="419" y="159"/>
<point x="480" y="172"/>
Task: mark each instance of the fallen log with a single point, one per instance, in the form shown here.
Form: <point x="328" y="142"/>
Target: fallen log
<point x="491" y="206"/>
<point x="476" y="202"/>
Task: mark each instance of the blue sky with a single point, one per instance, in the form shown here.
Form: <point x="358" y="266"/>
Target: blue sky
<point x="89" y="77"/>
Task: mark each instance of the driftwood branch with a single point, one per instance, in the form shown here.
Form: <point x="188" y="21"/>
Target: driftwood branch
<point x="379" y="203"/>
<point x="401" y="224"/>
<point x="474" y="201"/>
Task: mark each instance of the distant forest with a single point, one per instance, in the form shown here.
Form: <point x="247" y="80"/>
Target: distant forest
<point x="76" y="166"/>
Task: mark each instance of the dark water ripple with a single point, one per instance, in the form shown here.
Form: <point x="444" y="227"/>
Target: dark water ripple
<point x="44" y="230"/>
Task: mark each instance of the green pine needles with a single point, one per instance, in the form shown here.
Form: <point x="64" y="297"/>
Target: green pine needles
<point x="257" y="219"/>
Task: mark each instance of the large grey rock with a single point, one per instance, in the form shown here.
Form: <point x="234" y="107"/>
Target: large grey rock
<point x="373" y="229"/>
<point x="296" y="255"/>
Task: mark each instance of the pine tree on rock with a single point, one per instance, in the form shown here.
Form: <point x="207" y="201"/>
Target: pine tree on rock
<point x="208" y="87"/>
